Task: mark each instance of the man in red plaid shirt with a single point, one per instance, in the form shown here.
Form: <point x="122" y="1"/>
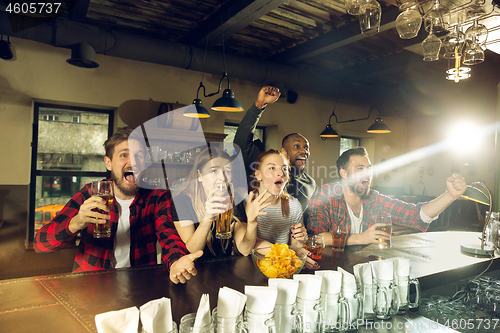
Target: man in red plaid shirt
<point x="351" y="204"/>
<point x="139" y="218"/>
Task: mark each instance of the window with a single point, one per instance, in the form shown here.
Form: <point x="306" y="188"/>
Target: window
<point x="67" y="153"/>
<point x="230" y="130"/>
<point x="347" y="143"/>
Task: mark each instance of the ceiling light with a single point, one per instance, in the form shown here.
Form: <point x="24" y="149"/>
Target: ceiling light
<point x="379" y="127"/>
<point x="328" y="132"/>
<point x="227" y="102"/>
<point x="201" y="112"/>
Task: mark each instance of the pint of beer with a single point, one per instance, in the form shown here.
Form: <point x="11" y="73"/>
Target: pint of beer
<point x="387" y="220"/>
<point x="223" y="220"/>
<point x="339" y="238"/>
<point x="103" y="189"/>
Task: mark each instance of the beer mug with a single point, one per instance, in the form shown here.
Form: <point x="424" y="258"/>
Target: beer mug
<point x="173" y="330"/>
<point x="287" y="318"/>
<point x="386" y="298"/>
<point x="227" y="325"/>
<point x="333" y="305"/>
<point x="353" y="312"/>
<point x="259" y="323"/>
<point x="369" y="291"/>
<point x="312" y="315"/>
<point x="103" y="189"/>
<point x="223" y="220"/>
<point x="404" y="283"/>
<point x="187" y="324"/>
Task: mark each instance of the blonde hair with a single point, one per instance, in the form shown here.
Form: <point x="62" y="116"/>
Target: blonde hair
<point x="255" y="183"/>
<point x="195" y="191"/>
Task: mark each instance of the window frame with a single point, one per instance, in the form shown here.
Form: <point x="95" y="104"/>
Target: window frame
<point x="30" y="228"/>
<point x="263" y="128"/>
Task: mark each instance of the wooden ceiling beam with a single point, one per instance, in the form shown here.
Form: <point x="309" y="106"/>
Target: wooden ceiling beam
<point x="230" y="18"/>
<point x="333" y="39"/>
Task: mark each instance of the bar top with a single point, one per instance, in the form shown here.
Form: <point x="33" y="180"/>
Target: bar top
<point x="69" y="302"/>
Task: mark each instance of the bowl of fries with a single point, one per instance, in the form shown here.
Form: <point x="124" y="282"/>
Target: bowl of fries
<point x="279" y="260"/>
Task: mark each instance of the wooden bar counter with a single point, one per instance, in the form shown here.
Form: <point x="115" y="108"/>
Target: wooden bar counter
<point x="69" y="302"/>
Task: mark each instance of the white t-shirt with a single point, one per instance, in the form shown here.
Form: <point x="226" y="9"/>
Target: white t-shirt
<point x="355" y="221"/>
<point x="122" y="237"/>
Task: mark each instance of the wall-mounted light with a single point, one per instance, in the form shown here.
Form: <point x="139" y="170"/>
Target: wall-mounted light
<point x="378" y="127"/>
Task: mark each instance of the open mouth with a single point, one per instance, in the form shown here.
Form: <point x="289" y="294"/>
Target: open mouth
<point x="129" y="176"/>
<point x="278" y="183"/>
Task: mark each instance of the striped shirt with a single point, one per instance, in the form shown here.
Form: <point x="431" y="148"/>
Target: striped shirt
<point x="274" y="227"/>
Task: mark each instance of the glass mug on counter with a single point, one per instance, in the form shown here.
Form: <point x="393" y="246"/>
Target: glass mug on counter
<point x="286" y="317"/>
<point x="403" y="283"/>
<point x="333" y="306"/>
<point x="387" y="220"/>
<point x="339" y="238"/>
<point x="258" y="323"/>
<point x="223" y="220"/>
<point x="227" y="325"/>
<point x="386" y="299"/>
<point x="350" y="315"/>
<point x="103" y="189"/>
<point x="312" y="315"/>
<point x="187" y="325"/>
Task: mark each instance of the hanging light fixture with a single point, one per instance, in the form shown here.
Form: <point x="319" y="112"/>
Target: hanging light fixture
<point x="201" y="111"/>
<point x="379" y="127"/>
<point x="457" y="73"/>
<point x="328" y="132"/>
<point x="227" y="102"/>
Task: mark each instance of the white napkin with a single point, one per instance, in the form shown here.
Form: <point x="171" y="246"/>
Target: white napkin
<point x="309" y="286"/>
<point x="203" y="314"/>
<point x="156" y="316"/>
<point x="363" y="273"/>
<point x="401" y="269"/>
<point x="287" y="290"/>
<point x="382" y="269"/>
<point x="332" y="281"/>
<point x="261" y="300"/>
<point x="401" y="266"/>
<point x="230" y="303"/>
<point x="348" y="281"/>
<point x="122" y="321"/>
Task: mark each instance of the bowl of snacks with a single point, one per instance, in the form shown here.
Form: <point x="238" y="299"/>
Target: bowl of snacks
<point x="279" y="260"/>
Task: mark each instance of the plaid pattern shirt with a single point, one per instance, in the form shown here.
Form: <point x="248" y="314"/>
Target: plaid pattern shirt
<point x="328" y="209"/>
<point x="150" y="220"/>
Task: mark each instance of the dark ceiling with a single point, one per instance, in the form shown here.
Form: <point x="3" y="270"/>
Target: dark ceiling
<point x="317" y="36"/>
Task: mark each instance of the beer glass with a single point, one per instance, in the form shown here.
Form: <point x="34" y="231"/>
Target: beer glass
<point x="387" y="220"/>
<point x="369" y="291"/>
<point x="315" y="245"/>
<point x="404" y="283"/>
<point x="333" y="305"/>
<point x="386" y="298"/>
<point x="351" y="314"/>
<point x="259" y="323"/>
<point x="312" y="315"/>
<point x="287" y="318"/>
<point x="187" y="325"/>
<point x="223" y="220"/>
<point x="227" y="325"/>
<point x="103" y="189"/>
<point x="339" y="238"/>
